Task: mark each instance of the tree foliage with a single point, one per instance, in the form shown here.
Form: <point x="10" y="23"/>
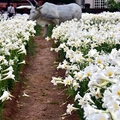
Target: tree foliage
<point x="112" y="5"/>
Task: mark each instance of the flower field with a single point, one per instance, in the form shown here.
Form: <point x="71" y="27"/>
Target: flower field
<point x="89" y="51"/>
<point x="90" y="54"/>
<point x="15" y="34"/>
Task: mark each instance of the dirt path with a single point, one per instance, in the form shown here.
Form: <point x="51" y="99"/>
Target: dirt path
<point x="44" y="100"/>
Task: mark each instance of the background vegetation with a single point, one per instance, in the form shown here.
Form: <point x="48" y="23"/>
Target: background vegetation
<point x="112" y="5"/>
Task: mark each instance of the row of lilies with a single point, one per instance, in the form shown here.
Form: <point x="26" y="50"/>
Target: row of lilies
<point x="90" y="53"/>
<point x="15" y="34"/>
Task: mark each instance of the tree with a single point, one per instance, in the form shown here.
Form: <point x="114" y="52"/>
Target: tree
<point x="113" y="5"/>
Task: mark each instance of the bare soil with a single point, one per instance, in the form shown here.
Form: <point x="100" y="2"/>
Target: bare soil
<point x="43" y="101"/>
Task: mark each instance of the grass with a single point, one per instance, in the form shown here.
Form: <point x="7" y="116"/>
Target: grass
<point x="38" y="29"/>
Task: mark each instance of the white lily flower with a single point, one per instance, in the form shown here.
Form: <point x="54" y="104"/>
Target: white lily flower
<point x="82" y="102"/>
<point x="116" y="91"/>
<point x="6" y="96"/>
<point x="117" y="114"/>
<point x="79" y="75"/>
<point x="95" y="91"/>
<point x="100" y="116"/>
<point x="75" y="85"/>
<point x="48" y="38"/>
<point x="89" y="110"/>
<point x="92" y="53"/>
<point x="77" y="96"/>
<point x="88" y="71"/>
<point x="87" y="97"/>
<point x="113" y="105"/>
<point x="68" y="80"/>
<point x="11" y="62"/>
<point x="101" y="79"/>
<point x="57" y="80"/>
<point x="110" y="71"/>
<point x="8" y="69"/>
<point x="70" y="108"/>
<point x="22" y="50"/>
<point x="23" y="62"/>
<point x="25" y="95"/>
<point x="9" y="75"/>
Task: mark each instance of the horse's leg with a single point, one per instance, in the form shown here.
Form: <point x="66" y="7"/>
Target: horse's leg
<point x="45" y="31"/>
<point x="56" y="21"/>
